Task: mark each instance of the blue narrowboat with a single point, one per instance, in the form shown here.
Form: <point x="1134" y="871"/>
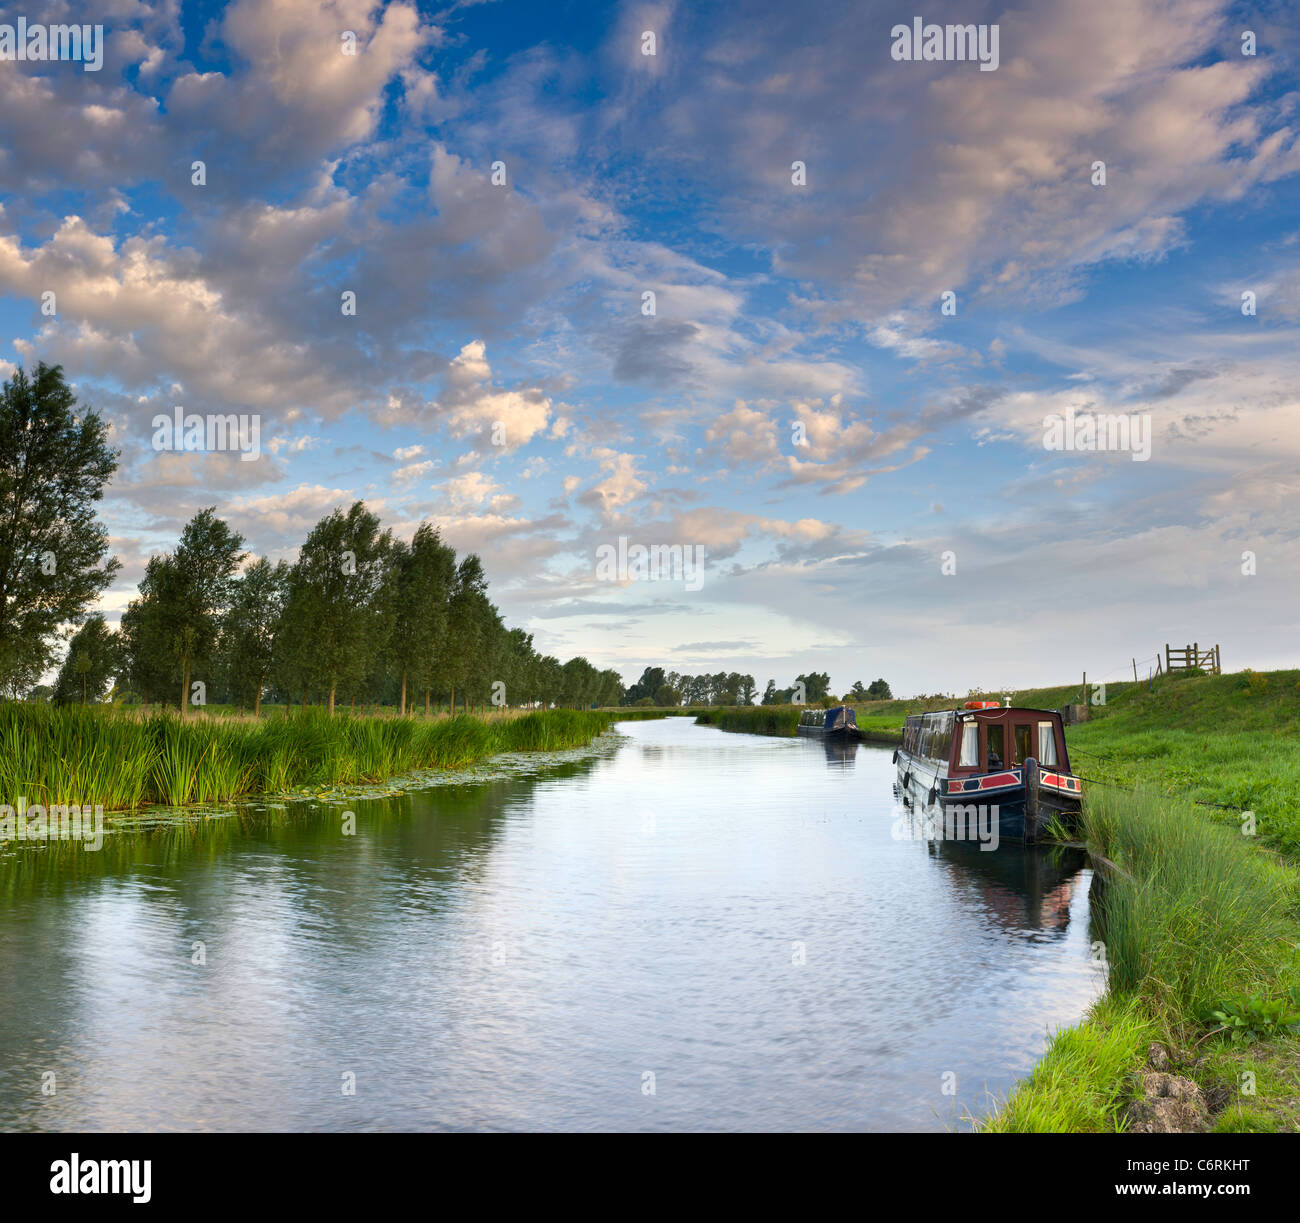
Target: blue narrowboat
<point x="1007" y="760"/>
<point x="841" y="722"/>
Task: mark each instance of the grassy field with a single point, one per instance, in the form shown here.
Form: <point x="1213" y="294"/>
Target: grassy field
<point x="121" y="761"/>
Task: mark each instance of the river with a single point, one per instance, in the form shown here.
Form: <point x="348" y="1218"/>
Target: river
<point x="682" y="929"/>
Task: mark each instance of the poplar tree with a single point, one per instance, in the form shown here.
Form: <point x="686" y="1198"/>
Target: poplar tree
<point x="424" y="572"/>
<point x="335" y="587"/>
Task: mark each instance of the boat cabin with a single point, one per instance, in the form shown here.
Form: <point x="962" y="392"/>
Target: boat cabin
<point x="983" y="738"/>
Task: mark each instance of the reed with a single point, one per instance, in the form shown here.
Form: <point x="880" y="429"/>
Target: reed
<point x="753" y="719"/>
<point x="1190" y="913"/>
<point x="121" y="761"/>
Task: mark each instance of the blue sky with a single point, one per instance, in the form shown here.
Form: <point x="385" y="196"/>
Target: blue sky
<point x="517" y="309"/>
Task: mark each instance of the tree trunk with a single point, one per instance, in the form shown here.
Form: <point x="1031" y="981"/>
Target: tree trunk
<point x="331" y="701"/>
<point x="451" y="707"/>
<point x="401" y="704"/>
<point x="185" y="689"/>
<point x="83" y="687"/>
<point x="257" y="700"/>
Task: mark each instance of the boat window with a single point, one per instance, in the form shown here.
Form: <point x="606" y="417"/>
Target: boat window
<point x="970" y="745"/>
<point x="1024" y="733"/>
<point x="996" y="750"/>
<point x="1046" y="743"/>
<point x="944" y="746"/>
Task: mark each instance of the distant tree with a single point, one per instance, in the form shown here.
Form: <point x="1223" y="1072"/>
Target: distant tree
<point x="54" y="558"/>
<point x="652" y="679"/>
<point x="667" y="696"/>
<point x="857" y="693"/>
<point x="770" y="694"/>
<point x="91" y="662"/>
<point x="748" y="690"/>
<point x="879" y="691"/>
<point x="611" y="688"/>
<point x="816" y="685"/>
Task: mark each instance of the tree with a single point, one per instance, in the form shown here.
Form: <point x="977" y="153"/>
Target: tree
<point x="194" y="587"/>
<point x="652" y="679"/>
<point x="816" y="685"/>
<point x="252" y="624"/>
<point x="770" y="694"/>
<point x="466" y="627"/>
<point x="879" y="691"/>
<point x="145" y="661"/>
<point x="334" y="589"/>
<point x="748" y="690"/>
<point x="54" y="558"/>
<point x="92" y="661"/>
<point x="423" y="574"/>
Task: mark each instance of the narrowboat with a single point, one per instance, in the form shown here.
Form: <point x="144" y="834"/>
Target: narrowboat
<point x="838" y="723"/>
<point x="989" y="756"/>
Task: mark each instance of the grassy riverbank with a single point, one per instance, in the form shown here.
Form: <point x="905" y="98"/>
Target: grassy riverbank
<point x="93" y="755"/>
<point x="1194" y="918"/>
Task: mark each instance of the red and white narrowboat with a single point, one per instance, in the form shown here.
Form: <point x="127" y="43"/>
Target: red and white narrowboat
<point x="988" y="755"/>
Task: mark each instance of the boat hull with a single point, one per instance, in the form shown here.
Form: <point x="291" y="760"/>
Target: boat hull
<point x="925" y="786"/>
<point x="840" y="733"/>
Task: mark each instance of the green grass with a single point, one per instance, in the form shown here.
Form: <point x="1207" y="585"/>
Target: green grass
<point x="96" y="755"/>
<point x="1080" y="1086"/>
<point x="1191" y="913"/>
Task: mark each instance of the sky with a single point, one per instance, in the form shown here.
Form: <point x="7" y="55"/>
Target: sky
<point x="769" y="292"/>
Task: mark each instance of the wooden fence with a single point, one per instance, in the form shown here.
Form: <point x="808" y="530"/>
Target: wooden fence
<point x="1192" y="656"/>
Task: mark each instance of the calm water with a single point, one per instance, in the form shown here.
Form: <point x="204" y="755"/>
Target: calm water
<point x="728" y="913"/>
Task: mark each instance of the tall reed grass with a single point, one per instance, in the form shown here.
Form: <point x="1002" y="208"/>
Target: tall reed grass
<point x="754" y="719"/>
<point x="1194" y="911"/>
<point x="82" y="755"/>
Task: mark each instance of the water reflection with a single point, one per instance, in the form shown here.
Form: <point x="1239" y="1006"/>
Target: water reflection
<point x="732" y="914"/>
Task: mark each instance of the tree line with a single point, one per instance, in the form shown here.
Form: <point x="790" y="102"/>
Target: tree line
<point x="359" y="617"/>
<point x="666" y="689"/>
